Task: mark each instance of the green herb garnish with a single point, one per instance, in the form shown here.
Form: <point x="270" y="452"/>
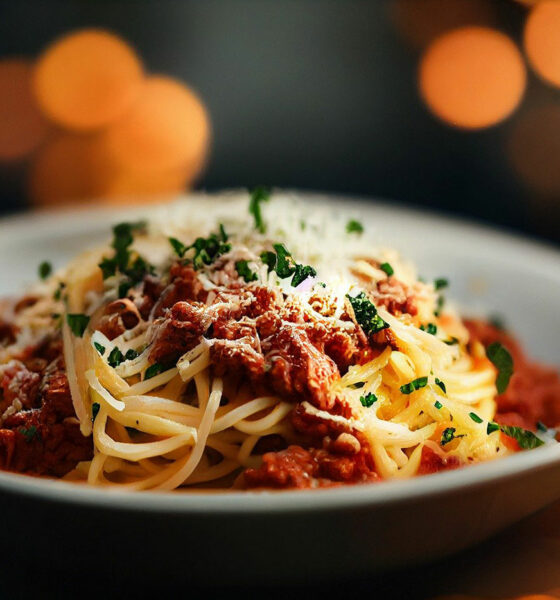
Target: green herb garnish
<point x="94" y="410"/>
<point x="99" y="348"/>
<point x="77" y="323"/>
<point x="366" y="314"/>
<point x="354" y="226"/>
<point x="301" y="273"/>
<point x="29" y="433"/>
<point x="153" y="370"/>
<point x="115" y="357"/>
<point x="45" y="269"/>
<point x="178" y="246"/>
<point x="355" y="386"/>
<point x="429" y="328"/>
<point x="525" y="438"/>
<point x="408" y="388"/>
<point x="438" y="404"/>
<point x="441" y="385"/>
<point x="285" y="264"/>
<point x="475" y="417"/>
<point x="448" y="435"/>
<point x="207" y="250"/>
<point x="269" y="259"/>
<point x="131" y="354"/>
<point x="387" y="268"/>
<point x="451" y="341"/>
<point x="243" y="269"/>
<point x="491" y="427"/>
<point x="439" y="305"/>
<point x="502" y="360"/>
<point x="368" y="400"/>
<point x="258" y="196"/>
<point x="440" y="283"/>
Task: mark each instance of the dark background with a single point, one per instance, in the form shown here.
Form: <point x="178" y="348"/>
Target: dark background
<point x="313" y="94"/>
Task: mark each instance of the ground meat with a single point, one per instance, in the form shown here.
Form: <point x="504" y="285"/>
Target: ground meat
<point x="19" y="386"/>
<point x="295" y="367"/>
<point x="43" y="437"/>
<point x="180" y="331"/>
<point x="395" y="296"/>
<point x="299" y="468"/>
<point x="431" y="462"/>
<point x="533" y="393"/>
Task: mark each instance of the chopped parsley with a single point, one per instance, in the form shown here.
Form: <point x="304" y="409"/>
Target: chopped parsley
<point x="358" y="385"/>
<point x="448" y="435"/>
<point x="243" y="269"/>
<point x="115" y="357"/>
<point x="387" y="268"/>
<point x="368" y="400"/>
<point x="258" y="196"/>
<point x="269" y="259"/>
<point x="475" y="417"/>
<point x="130" y="354"/>
<point x="123" y="261"/>
<point x="94" y="410"/>
<point x="301" y="273"/>
<point x="29" y="433"/>
<point x="45" y="269"/>
<point x="100" y="348"/>
<point x="366" y="314"/>
<point x="502" y="360"/>
<point x="414" y="385"/>
<point x="285" y="266"/>
<point x="451" y="341"/>
<point x="440" y="283"/>
<point x="354" y="226"/>
<point x="207" y="250"/>
<point x="491" y="427"/>
<point x="78" y="323"/>
<point x="153" y="370"/>
<point x="178" y="247"/>
<point x="429" y="328"/>
<point x="525" y="438"/>
<point x="58" y="292"/>
<point x="439" y="305"/>
<point x="441" y="385"/>
<point x="438" y="404"/>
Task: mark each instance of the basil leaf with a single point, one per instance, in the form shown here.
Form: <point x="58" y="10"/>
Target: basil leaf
<point x="387" y="268"/>
<point x="243" y="269"/>
<point x="153" y="370"/>
<point x="502" y="360"/>
<point x="366" y="314"/>
<point x="525" y="438"/>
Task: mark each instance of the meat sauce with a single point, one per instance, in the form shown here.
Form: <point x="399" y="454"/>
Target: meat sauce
<point x="257" y="334"/>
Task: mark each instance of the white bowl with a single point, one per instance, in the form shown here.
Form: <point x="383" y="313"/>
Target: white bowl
<point x="275" y="536"/>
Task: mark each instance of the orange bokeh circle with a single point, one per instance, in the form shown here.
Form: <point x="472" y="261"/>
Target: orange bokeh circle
<point x="542" y="40"/>
<point x="472" y="77"/>
<point x="166" y="128"/>
<point x="22" y="126"/>
<point x="87" y="79"/>
<point x="69" y="167"/>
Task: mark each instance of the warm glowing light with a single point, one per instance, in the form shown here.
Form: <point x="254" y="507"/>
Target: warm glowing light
<point x="421" y="21"/>
<point x="542" y="40"/>
<point x="534" y="148"/>
<point x="135" y="187"/>
<point x="472" y="77"/>
<point x="166" y="128"/>
<point x="22" y="126"/>
<point x="69" y="167"/>
<point x="87" y="79"/>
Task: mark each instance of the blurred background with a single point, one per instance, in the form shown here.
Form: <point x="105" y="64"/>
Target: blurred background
<point x="446" y="104"/>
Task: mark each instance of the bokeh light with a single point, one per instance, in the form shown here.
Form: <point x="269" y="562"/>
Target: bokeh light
<point x="69" y="167"/>
<point x="534" y="148"/>
<point x="87" y="79"/>
<point x="419" y="22"/>
<point x="542" y="40"/>
<point x="22" y="126"/>
<point x="166" y="128"/>
<point x="472" y="77"/>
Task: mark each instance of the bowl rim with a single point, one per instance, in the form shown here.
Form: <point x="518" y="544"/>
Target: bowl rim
<point x="541" y="256"/>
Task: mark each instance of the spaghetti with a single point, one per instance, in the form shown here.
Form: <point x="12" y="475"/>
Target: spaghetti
<point x="207" y="347"/>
